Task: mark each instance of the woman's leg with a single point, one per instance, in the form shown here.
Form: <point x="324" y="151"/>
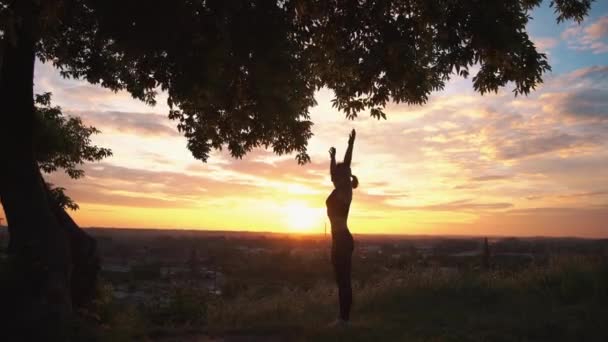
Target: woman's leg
<point x="346" y="291"/>
<point x="342" y="269"/>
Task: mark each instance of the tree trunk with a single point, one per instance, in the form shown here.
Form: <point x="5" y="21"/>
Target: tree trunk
<point x="38" y="304"/>
<point x="85" y="260"/>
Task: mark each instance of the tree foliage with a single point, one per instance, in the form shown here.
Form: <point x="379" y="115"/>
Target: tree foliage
<point x="59" y="196"/>
<point x="241" y="74"/>
<point x="63" y="143"/>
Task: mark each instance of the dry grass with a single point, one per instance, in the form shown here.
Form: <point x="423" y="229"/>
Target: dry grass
<point x="566" y="300"/>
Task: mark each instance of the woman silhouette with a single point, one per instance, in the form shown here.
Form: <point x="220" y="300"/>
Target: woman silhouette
<point x="338" y="205"/>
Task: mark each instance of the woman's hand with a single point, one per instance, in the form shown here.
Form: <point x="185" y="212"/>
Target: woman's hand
<point x="351" y="137"/>
<point x="332" y="152"/>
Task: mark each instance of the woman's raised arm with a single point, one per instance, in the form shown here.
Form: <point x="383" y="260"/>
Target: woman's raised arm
<point x="332" y="163"/>
<point x="349" y="151"/>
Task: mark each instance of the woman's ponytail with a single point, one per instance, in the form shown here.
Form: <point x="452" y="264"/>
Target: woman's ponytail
<point x="355" y="182"/>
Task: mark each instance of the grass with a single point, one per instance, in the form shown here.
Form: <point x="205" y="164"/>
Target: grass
<point x="565" y="301"/>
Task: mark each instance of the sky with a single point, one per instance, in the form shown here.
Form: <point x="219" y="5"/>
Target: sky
<point x="462" y="164"/>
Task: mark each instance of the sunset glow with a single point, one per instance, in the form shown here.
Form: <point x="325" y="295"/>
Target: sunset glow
<point x="302" y="219"/>
<point x="461" y="164"/>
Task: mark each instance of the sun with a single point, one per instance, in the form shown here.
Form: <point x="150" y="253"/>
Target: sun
<point x="302" y="218"/>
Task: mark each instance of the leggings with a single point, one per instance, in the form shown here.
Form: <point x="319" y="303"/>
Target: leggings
<point x="341" y="258"/>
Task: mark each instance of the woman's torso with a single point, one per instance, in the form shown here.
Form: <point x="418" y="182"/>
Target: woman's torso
<point x="338" y="206"/>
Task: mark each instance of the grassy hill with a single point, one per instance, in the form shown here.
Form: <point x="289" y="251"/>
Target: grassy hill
<point x="564" y="301"/>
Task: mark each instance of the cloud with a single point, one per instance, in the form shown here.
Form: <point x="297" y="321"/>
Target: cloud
<point x="466" y="186"/>
<point x="576" y="195"/>
<point x="285" y="169"/>
<point x="460" y="205"/>
<point x="584" y="77"/>
<point x="380" y="200"/>
<point x="545" y="221"/>
<point x="588" y="36"/>
<point x="590" y="103"/>
<point x="526" y="147"/>
<point x="585" y="166"/>
<point x="585" y="194"/>
<point x="474" y="182"/>
<point x="157" y="158"/>
<point x="266" y="169"/>
<point x="598" y="29"/>
<point x="569" y="114"/>
<point x="117" y="185"/>
<point x="83" y="196"/>
<point x="144" y="124"/>
<point x="490" y="178"/>
<point x="555" y="210"/>
<point x="545" y="43"/>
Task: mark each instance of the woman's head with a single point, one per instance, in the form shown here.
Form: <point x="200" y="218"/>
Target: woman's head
<point x="343" y="176"/>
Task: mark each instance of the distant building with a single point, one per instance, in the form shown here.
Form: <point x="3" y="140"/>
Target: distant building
<point x="372" y="249"/>
<point x="425" y="250"/>
<point x="170" y="271"/>
<point x="473" y="253"/>
<point x="252" y="250"/>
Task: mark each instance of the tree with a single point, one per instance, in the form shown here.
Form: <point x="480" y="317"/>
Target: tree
<point x="64" y="143"/>
<point x="241" y="74"/>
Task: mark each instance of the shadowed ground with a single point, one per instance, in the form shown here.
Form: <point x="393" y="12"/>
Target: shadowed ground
<point x="566" y="301"/>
